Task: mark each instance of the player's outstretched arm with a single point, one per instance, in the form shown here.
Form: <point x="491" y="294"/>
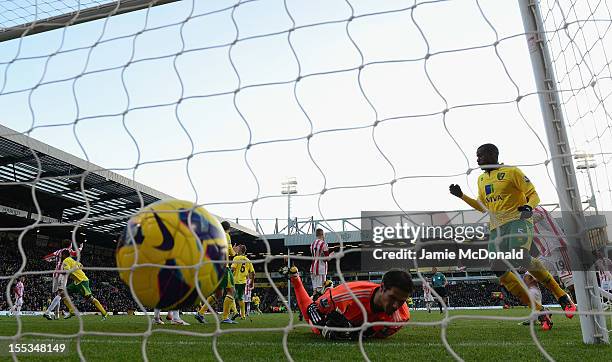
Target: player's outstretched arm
<point x="49" y="257"/>
<point x="455" y="190"/>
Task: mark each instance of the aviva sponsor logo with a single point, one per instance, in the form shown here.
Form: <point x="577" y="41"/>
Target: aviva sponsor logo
<point x="494" y="198"/>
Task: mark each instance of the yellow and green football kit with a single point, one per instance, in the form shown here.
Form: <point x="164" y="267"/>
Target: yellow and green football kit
<point x="80" y="284"/>
<point x="255" y="300"/>
<point x="241" y="267"/>
<point x="228" y="277"/>
<point x="227" y="282"/>
<point x="501" y="192"/>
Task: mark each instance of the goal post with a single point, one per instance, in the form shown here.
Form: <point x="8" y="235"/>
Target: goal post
<point x="592" y="321"/>
<point x="68" y="16"/>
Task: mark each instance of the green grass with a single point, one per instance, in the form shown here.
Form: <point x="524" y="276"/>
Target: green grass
<point x="472" y="339"/>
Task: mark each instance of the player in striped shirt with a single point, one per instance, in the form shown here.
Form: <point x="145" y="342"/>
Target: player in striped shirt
<point x="59" y="279"/>
<point x="19" y="292"/>
<point x="551" y="243"/>
<point x="427" y="296"/>
<point x="250" y="285"/>
<point x="318" y="268"/>
<point x="338" y="308"/>
<point x="604" y="269"/>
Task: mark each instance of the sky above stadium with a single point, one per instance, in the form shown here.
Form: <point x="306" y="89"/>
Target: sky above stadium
<point x="164" y="97"/>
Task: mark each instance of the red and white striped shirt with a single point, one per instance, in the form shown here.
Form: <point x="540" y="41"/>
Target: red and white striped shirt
<point x="551" y="242"/>
<point x="427" y="292"/>
<point x="19" y="290"/>
<point x="318" y="249"/>
<point x="547" y="234"/>
<point x="248" y="289"/>
<point x="604" y="267"/>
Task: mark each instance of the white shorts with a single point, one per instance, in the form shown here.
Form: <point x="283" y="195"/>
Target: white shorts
<point x="19" y="302"/>
<point x="429" y="298"/>
<point x="59" y="282"/>
<point x="606" y="285"/>
<point x="317" y="281"/>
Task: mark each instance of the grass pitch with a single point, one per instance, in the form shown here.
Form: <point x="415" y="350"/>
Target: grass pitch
<point x="471" y="339"/>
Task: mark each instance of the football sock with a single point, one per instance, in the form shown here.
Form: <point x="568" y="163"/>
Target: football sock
<point x="156" y="314"/>
<point x="54" y="304"/>
<point x="242" y="308"/>
<point x="513" y="284"/>
<point x="99" y="306"/>
<point x="227" y="306"/>
<point x="303" y="299"/>
<point x="68" y="305"/>
<point x="234" y="309"/>
<point x="542" y="275"/>
<point x="212" y="300"/>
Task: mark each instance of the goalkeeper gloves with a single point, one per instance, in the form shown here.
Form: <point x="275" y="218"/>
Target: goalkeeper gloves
<point x="337" y="320"/>
<point x="526" y="212"/>
<point x="455" y="190"/>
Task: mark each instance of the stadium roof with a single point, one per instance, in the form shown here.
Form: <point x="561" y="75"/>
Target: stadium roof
<point x="64" y="182"/>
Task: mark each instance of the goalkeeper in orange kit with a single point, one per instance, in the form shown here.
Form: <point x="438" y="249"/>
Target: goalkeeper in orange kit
<point x="337" y="309"/>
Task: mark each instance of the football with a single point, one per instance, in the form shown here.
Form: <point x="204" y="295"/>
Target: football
<point x="168" y="249"/>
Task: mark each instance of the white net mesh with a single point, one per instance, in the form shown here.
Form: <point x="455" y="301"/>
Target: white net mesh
<point x="581" y="63"/>
<point x="371" y="106"/>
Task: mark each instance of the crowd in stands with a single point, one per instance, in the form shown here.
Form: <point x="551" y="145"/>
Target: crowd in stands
<point x="479" y="293"/>
<point x="105" y="285"/>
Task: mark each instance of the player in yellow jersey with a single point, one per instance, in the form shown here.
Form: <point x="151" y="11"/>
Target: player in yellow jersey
<point x="243" y="270"/>
<point x="226" y="284"/>
<point x="80" y="284"/>
<point x="255" y="300"/>
<point x="509" y="197"/>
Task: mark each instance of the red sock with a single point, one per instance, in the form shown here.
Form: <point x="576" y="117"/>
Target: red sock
<point x="303" y="299"/>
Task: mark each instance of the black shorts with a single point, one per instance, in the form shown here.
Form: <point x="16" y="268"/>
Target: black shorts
<point x="441" y="291"/>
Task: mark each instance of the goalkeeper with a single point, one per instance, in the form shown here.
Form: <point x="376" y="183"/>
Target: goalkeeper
<point x="509" y="197"/>
<point x="337" y="308"/>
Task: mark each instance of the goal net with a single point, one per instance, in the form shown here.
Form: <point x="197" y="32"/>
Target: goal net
<point x="370" y="108"/>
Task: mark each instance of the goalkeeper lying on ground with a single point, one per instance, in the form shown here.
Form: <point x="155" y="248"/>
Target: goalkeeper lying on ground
<point x="385" y="302"/>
